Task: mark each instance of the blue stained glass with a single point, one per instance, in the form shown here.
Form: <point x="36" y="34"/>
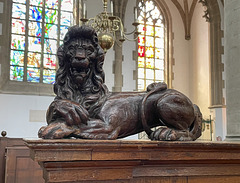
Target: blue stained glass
<point x="17" y="58"/>
<point x="33" y="75"/>
<point x="66" y="18"/>
<point x="35" y="29"/>
<point x="35" y="13"/>
<point x="16" y="73"/>
<point x="19" y="11"/>
<point x="63" y="31"/>
<point x="52" y="4"/>
<point x="49" y="76"/>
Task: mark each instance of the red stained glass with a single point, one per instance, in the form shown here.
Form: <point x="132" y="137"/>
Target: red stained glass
<point x="141" y="40"/>
<point x="141" y="51"/>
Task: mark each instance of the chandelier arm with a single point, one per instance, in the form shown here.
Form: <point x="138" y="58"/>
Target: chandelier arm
<point x="134" y="39"/>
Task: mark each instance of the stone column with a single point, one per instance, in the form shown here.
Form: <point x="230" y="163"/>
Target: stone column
<point x="232" y="66"/>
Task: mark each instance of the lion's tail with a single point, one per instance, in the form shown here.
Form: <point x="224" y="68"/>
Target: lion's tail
<point x="196" y="129"/>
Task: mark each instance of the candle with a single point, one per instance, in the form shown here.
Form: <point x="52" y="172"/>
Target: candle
<point x="136" y="15"/>
<point x="84" y="10"/>
<point x="111" y="7"/>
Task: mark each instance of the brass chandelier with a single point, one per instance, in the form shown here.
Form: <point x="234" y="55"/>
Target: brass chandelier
<point x="106" y="25"/>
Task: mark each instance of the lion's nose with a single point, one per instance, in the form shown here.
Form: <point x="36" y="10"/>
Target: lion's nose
<point x="80" y="54"/>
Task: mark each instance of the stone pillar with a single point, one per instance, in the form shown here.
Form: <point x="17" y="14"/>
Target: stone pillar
<point x="232" y="66"/>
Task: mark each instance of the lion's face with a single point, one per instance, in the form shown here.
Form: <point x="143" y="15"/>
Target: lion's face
<point x="81" y="54"/>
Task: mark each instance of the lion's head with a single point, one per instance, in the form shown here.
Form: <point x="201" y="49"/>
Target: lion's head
<point x="80" y="76"/>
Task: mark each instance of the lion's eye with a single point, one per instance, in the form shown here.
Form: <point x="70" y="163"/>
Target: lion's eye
<point x="71" y="51"/>
<point x="90" y="50"/>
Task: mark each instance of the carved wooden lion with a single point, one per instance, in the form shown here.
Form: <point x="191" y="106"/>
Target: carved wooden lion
<point x="84" y="108"/>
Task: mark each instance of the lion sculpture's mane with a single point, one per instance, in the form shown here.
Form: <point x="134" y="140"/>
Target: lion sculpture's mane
<point x="94" y="92"/>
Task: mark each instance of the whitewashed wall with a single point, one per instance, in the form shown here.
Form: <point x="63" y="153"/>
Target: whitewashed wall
<point x="21" y="115"/>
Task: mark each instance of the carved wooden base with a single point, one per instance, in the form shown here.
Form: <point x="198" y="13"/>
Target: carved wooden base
<point x="136" y="161"/>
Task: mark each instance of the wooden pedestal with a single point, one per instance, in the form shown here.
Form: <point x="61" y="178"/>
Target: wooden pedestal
<point x="136" y="161"/>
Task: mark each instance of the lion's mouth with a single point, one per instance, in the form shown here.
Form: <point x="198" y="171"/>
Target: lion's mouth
<point x="80" y="72"/>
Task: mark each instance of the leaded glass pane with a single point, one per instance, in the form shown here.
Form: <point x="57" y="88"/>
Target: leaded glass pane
<point x="141" y="62"/>
<point x="159" y="64"/>
<point x="16" y="73"/>
<point x="159" y="53"/>
<point x="140" y="84"/>
<point x="67" y="5"/>
<point x="149" y="74"/>
<point x="52" y="4"/>
<point x="33" y="75"/>
<point x="18" y="26"/>
<point x="35" y="13"/>
<point x="49" y="76"/>
<point x="141" y="73"/>
<point x="155" y="13"/>
<point x="149" y="52"/>
<point x="63" y="31"/>
<point x="18" y="42"/>
<point x="36" y="2"/>
<point x="141" y="29"/>
<point x="50" y="46"/>
<point x="35" y="29"/>
<point x="19" y="11"/>
<point x="150" y="63"/>
<point x="141" y="51"/>
<point x="34" y="44"/>
<point x="159" y="42"/>
<point x="159" y="22"/>
<point x="159" y="31"/>
<point x="20" y="1"/>
<point x="141" y="40"/>
<point x="49" y="61"/>
<point x="66" y="18"/>
<point x="149" y="21"/>
<point x="34" y="60"/>
<point x="51" y="16"/>
<point x="149" y="41"/>
<point x="149" y="30"/>
<point x="159" y="75"/>
<point x="51" y="31"/>
<point x="149" y="6"/>
<point x="42" y="36"/>
<point x="17" y="58"/>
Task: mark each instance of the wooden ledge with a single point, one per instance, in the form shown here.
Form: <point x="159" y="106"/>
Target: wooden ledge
<point x="74" y="160"/>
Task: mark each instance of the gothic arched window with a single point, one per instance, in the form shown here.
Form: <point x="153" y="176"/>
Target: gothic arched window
<point x="38" y="27"/>
<point x="151" y="44"/>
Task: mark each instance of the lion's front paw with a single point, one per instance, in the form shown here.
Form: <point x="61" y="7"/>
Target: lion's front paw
<point x="55" y="131"/>
<point x="164" y="133"/>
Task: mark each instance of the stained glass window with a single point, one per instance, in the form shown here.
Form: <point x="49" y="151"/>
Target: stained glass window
<point x="38" y="28"/>
<point x="150" y="44"/>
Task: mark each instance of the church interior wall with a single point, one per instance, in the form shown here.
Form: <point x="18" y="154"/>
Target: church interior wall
<point x="190" y="71"/>
<point x="180" y="52"/>
<point x="199" y="61"/>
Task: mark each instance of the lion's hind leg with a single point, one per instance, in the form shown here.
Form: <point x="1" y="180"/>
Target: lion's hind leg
<point x="170" y="134"/>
